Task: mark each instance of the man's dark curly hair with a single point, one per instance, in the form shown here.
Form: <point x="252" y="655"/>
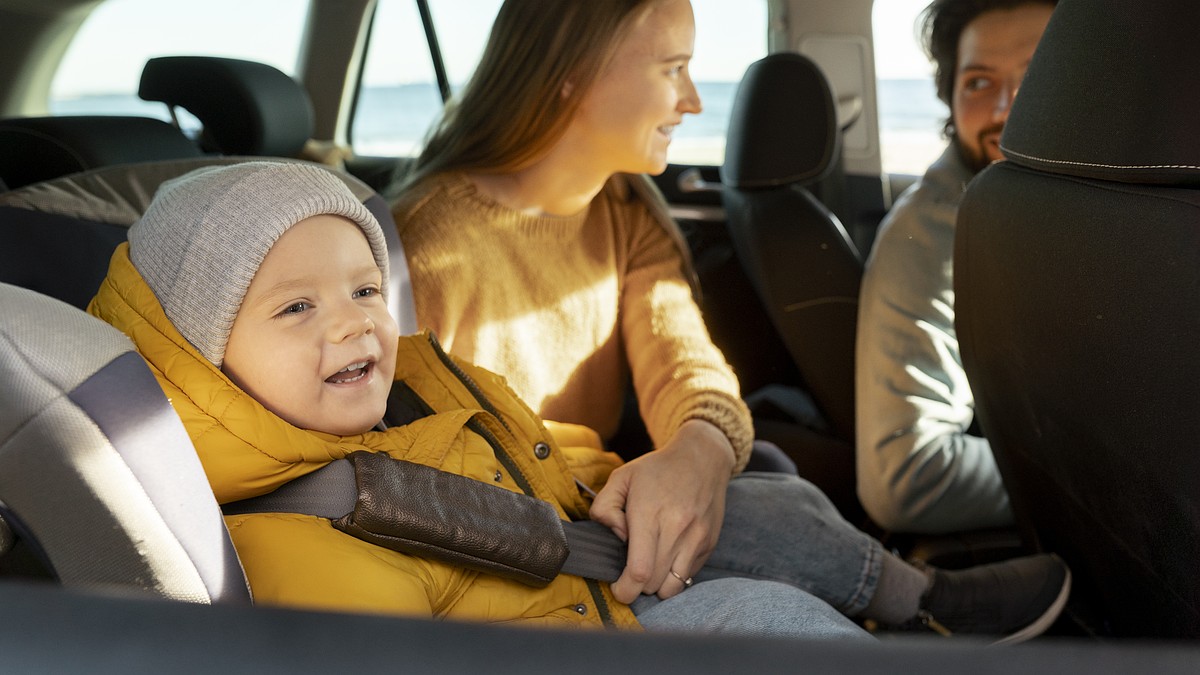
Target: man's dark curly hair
<point x="941" y="24"/>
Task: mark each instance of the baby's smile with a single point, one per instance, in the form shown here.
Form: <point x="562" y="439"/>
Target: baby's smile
<point x="352" y="373"/>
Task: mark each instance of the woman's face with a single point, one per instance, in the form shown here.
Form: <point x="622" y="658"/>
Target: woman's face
<point x="626" y="119"/>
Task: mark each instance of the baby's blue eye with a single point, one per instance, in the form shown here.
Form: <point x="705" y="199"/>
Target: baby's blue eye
<point x="296" y="308"/>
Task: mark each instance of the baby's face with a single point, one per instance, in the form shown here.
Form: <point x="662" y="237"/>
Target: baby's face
<point x="313" y="340"/>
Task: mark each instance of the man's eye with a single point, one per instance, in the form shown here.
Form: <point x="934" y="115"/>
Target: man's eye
<point x="976" y="84"/>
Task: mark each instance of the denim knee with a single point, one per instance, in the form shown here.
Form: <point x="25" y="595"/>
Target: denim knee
<point x="748" y="607"/>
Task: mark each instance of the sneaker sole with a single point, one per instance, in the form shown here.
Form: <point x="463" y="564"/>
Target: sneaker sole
<point x="1043" y="622"/>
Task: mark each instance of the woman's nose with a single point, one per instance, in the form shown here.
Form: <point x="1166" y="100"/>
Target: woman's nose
<point x="689" y="101"/>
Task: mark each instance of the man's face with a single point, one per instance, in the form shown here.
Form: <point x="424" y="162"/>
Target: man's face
<point x="993" y="53"/>
<point x="313" y="340"/>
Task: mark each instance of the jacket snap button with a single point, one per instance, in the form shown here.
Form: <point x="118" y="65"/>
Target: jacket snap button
<point x="581" y="609"/>
<point x="498" y="477"/>
<point x="541" y="451"/>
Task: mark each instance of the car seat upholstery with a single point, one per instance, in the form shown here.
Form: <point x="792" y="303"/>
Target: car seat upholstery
<point x="1077" y="284"/>
<point x="97" y="473"/>
<point x="34" y="149"/>
<point x="783" y="138"/>
<point x="56" y="237"/>
<point x="783" y="135"/>
<point x="247" y="108"/>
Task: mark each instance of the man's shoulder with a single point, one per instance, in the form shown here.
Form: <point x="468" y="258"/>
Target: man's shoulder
<point x="919" y="228"/>
<point x="931" y="202"/>
<point x="943" y="183"/>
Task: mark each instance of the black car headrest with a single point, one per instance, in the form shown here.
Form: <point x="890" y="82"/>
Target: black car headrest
<point x="1110" y="94"/>
<point x="247" y="108"/>
<point x="86" y="215"/>
<point x="783" y="127"/>
<point x="34" y="149"/>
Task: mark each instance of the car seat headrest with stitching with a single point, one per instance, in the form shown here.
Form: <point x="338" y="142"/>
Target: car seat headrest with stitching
<point x="34" y="149"/>
<point x="783" y="127"/>
<point x="1126" y="112"/>
<point x="247" y="108"/>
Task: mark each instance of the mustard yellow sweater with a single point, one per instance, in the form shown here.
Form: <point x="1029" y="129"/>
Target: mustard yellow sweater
<point x="567" y="308"/>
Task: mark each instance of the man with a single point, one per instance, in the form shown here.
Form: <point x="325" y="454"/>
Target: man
<point x="920" y="467"/>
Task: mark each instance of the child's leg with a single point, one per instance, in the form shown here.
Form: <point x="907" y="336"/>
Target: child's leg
<point x="746" y="607"/>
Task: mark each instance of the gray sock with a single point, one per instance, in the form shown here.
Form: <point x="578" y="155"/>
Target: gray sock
<point x="898" y="593"/>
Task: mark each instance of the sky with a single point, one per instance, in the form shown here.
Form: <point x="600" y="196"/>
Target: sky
<point x="269" y="31"/>
<point x="898" y="54"/>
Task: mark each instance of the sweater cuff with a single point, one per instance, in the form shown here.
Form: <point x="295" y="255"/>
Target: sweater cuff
<point x="729" y="415"/>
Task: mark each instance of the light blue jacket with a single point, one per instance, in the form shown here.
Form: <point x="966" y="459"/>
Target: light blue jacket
<point x="918" y="469"/>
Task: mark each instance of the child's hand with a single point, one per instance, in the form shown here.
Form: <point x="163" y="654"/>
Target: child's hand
<point x="668" y="506"/>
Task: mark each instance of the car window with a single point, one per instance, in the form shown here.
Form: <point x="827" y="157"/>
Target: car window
<point x="399" y="99"/>
<point x="910" y="114"/>
<point x="102" y="67"/>
<point x="729" y="37"/>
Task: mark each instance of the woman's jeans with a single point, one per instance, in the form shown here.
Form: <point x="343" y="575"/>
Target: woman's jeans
<point x="786" y="563"/>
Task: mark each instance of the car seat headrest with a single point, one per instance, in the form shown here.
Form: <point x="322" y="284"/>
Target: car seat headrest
<point x="1108" y="94"/>
<point x="247" y="108"/>
<point x="34" y="149"/>
<point x="783" y="127"/>
<point x="96" y="470"/>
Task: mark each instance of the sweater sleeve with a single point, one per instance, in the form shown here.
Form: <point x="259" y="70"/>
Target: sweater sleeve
<point x="918" y="468"/>
<point x="678" y="373"/>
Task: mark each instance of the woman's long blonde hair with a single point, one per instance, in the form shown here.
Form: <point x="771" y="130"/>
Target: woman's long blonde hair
<point x="513" y="109"/>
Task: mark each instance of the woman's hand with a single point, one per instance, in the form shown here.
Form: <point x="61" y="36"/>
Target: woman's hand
<point x="668" y="506"/>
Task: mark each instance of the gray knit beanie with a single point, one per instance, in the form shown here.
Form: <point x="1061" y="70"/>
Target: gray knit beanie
<point x="205" y="234"/>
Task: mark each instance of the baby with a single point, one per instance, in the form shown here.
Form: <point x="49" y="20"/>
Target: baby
<point x="256" y="292"/>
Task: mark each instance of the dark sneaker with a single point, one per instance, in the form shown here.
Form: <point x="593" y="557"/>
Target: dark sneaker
<point x="1015" y="599"/>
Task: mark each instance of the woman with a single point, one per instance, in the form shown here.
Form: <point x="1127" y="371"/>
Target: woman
<point x="536" y="255"/>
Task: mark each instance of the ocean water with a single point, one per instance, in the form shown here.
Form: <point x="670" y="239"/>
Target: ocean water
<point x="394" y="120"/>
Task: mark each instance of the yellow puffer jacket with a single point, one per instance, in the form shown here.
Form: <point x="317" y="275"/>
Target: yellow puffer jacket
<point x="302" y="561"/>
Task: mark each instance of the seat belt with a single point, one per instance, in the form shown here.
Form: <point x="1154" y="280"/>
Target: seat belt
<point x="594" y="551"/>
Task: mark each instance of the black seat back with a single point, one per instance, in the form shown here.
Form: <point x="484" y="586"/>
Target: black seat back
<point x="247" y="108"/>
<point x="97" y="474"/>
<point x="57" y="237"/>
<point x="34" y="149"/>
<point x="1077" y="284"/>
<point x="783" y="137"/>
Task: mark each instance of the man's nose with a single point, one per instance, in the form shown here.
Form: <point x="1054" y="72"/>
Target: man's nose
<point x="1004" y="101"/>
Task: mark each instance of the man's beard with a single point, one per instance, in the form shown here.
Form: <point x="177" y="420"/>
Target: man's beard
<point x="975" y="158"/>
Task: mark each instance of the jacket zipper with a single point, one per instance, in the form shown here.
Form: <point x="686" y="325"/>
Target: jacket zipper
<point x="476" y="425"/>
<point x="502" y="455"/>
